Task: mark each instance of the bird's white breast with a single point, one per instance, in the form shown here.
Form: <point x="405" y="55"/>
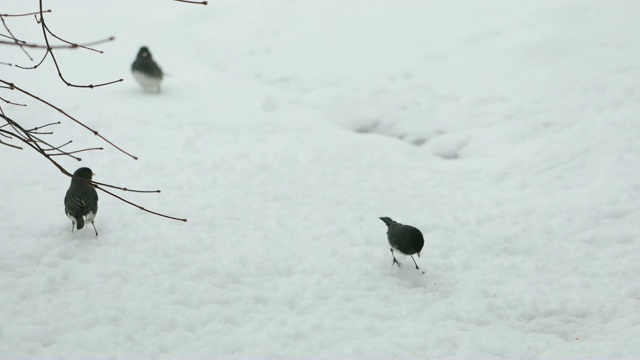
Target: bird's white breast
<point x="145" y="81"/>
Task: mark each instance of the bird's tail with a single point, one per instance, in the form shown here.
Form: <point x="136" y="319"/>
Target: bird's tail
<point x="387" y="220"/>
<point x="80" y="222"/>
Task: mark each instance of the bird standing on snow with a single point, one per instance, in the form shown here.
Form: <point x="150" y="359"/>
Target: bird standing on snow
<point x="81" y="200"/>
<point x="146" y="72"/>
<point x="404" y="238"/>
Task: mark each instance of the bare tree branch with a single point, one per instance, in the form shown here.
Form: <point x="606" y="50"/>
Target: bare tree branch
<point x="34" y="143"/>
<point x="10" y="102"/>
<point x="14" y="135"/>
<point x="14" y="87"/>
<point x="20" y="43"/>
<point x="44" y="126"/>
<point x="193" y="2"/>
<point x="45" y="32"/>
<point x="10" y="145"/>
<point x="68" y="46"/>
<point x="75" y="151"/>
<point x="26" y="14"/>
<point x="140" y="207"/>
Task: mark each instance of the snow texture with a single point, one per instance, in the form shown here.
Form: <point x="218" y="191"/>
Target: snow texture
<point x="507" y="131"/>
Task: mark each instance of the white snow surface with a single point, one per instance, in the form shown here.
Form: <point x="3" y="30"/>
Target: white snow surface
<point x="507" y="131"/>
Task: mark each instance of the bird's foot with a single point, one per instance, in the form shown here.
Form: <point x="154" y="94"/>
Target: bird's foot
<point x="395" y="261"/>
<point x="94" y="228"/>
<point x="416" y="264"/>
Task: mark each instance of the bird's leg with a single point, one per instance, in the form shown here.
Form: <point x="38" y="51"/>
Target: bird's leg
<point x="73" y="226"/>
<point x="96" y="230"/>
<point x="414" y="261"/>
<point x="395" y="261"/>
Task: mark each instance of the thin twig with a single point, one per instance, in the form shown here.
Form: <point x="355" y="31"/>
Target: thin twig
<point x="20" y="43"/>
<point x="13" y="86"/>
<point x="45" y="31"/>
<point x="68" y="46"/>
<point x="193" y="2"/>
<point x="5" y="133"/>
<point x="127" y="189"/>
<point x="44" y="126"/>
<point x="75" y="45"/>
<point x="11" y="102"/>
<point x="140" y="207"/>
<point x="30" y="137"/>
<point x="12" y="38"/>
<point x="10" y="145"/>
<point x="75" y="151"/>
<point x="26" y="14"/>
<point x="36" y="65"/>
<point x="65" y="144"/>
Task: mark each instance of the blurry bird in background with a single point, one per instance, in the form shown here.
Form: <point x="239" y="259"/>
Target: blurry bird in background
<point x="81" y="200"/>
<point x="146" y="72"/>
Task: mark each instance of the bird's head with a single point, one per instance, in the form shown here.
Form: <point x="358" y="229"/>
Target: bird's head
<point x="84" y="173"/>
<point x="144" y="53"/>
<point x="387" y="220"/>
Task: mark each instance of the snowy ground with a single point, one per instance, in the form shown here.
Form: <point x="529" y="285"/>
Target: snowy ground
<point x="506" y="131"/>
